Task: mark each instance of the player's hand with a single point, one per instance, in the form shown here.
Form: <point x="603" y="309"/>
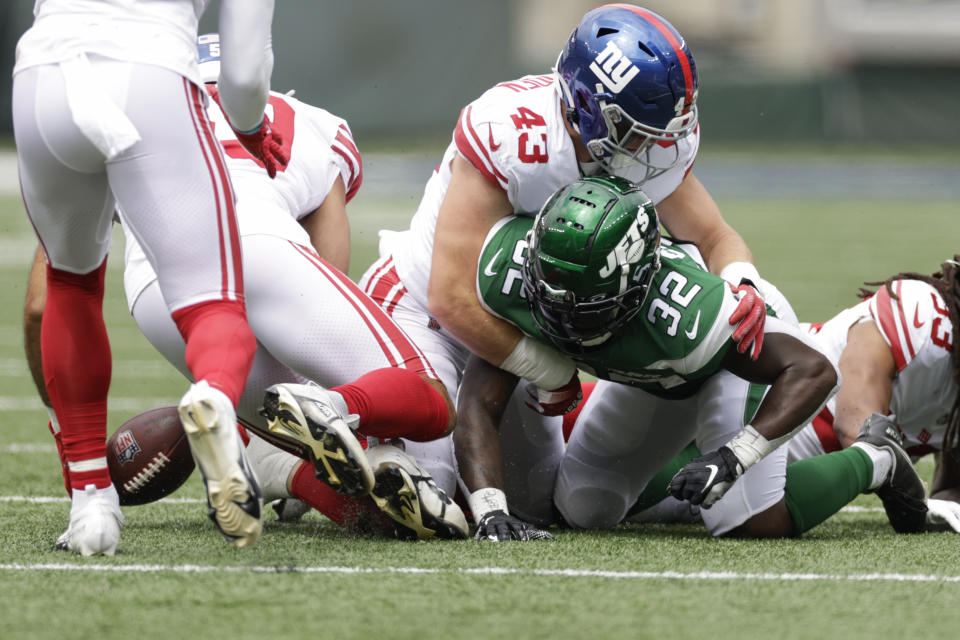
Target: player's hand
<point x="555" y="402"/>
<point x="499" y="526"/>
<point x="704" y="480"/>
<point x="943" y="513"/>
<point x="266" y="145"/>
<point x="751" y="314"/>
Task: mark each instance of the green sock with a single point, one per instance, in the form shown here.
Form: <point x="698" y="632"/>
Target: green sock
<point x="820" y="486"/>
<point x="656" y="489"/>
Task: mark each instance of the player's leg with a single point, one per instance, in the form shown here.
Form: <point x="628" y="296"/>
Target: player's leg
<point x="754" y="506"/>
<point x="622" y="437"/>
<point x="175" y="193"/>
<point x="32" y="326"/>
<point x="68" y="200"/>
<point x="446" y="356"/>
<point x="317" y="321"/>
<point x="532" y="446"/>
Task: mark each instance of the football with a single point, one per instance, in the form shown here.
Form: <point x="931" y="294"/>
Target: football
<point x="149" y="456"/>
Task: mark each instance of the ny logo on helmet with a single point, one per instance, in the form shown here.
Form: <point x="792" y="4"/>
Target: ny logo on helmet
<point x="613" y="68"/>
<point x="631" y="245"/>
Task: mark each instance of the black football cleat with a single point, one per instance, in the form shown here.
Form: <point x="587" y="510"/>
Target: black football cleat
<point x="902" y="494"/>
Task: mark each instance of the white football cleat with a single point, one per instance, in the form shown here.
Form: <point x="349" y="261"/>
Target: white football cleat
<point x="311" y="418"/>
<point x="233" y="495"/>
<point x="406" y="492"/>
<point x="95" y="522"/>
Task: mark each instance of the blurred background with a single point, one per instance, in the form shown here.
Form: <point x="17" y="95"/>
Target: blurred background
<point x="830" y="128"/>
<point x="813" y="72"/>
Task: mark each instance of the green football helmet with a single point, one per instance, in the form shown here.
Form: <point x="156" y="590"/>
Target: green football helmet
<point x="593" y="251"/>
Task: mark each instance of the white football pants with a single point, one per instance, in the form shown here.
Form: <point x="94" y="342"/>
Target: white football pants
<point x="166" y="173"/>
<point x="311" y="321"/>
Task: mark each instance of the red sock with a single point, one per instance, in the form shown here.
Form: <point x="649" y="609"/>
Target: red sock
<point x="569" y="419"/>
<point x="396" y="403"/>
<point x="220" y="344"/>
<point x="349" y="512"/>
<point x="76" y="367"/>
<point x="64" y="468"/>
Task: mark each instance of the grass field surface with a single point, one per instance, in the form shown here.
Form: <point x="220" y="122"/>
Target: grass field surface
<point x="173" y="576"/>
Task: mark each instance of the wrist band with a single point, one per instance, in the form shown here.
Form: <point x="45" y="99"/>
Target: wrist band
<point x="539" y="363"/>
<point x="737" y="272"/>
<point x="483" y="501"/>
<point x="750" y="447"/>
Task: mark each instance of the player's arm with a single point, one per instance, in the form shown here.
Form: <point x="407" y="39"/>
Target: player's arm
<point x="946" y="477"/>
<point x="246" y="63"/>
<point x="329" y="228"/>
<point x="470" y="208"/>
<point x="690" y="213"/>
<point x="32" y="320"/>
<point x="867" y="367"/>
<point x="943" y="506"/>
<point x="801" y="380"/>
<point x="246" y="60"/>
<point x="484" y="393"/>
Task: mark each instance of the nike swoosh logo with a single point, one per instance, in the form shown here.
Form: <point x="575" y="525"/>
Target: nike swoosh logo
<point x="692" y="333"/>
<point x="916" y="317"/>
<point x="493" y="146"/>
<point x="713" y="474"/>
<point x="487" y="271"/>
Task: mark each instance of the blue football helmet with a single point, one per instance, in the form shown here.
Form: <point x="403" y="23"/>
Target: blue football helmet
<point x="208" y="56"/>
<point x="629" y="82"/>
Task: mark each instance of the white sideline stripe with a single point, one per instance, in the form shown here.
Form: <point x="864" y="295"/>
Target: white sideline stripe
<point x="491" y="571"/>
<point x="28" y="447"/>
<point x="44" y="499"/>
<point x="16" y="367"/>
<point x="114" y="403"/>
<point x="47" y="499"/>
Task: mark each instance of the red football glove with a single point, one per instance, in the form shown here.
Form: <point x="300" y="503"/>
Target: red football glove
<point x="264" y="144"/>
<point x="555" y="402"/>
<point x="751" y="314"/>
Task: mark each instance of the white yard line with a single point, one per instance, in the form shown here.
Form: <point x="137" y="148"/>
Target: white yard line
<point x="151" y="369"/>
<point x="115" y="403"/>
<point x="697" y="576"/>
<point x="45" y="499"/>
<point x="48" y="499"/>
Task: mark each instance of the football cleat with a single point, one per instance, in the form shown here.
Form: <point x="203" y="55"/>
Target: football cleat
<point x="307" y="416"/>
<point x="410" y="497"/>
<point x="95" y="522"/>
<point x="902" y="493"/>
<point x="233" y="495"/>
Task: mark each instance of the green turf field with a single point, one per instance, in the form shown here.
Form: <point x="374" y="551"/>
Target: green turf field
<point x="175" y="577"/>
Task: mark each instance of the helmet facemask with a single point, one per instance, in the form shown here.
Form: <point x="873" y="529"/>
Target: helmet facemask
<point x="628" y="141"/>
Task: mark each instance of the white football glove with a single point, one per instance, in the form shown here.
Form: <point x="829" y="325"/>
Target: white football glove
<point x="941" y="513"/>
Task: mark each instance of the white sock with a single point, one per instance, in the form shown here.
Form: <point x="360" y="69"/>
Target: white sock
<point x="272" y="466"/>
<point x="882" y="460"/>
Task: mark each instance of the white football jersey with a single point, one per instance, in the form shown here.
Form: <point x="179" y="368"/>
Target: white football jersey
<point x="321" y="149"/>
<point x="916" y="325"/>
<point x="515" y="135"/>
<point x="157" y="32"/>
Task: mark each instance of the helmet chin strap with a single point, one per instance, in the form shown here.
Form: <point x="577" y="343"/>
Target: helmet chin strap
<point x="597" y="341"/>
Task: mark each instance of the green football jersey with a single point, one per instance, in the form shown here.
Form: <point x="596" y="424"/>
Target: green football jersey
<point x="676" y="341"/>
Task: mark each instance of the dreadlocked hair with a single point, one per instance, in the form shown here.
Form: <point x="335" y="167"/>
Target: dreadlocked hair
<point x="947" y="283"/>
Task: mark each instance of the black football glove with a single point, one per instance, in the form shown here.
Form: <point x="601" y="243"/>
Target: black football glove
<point x="704" y="480"/>
<point x="498" y="526"/>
